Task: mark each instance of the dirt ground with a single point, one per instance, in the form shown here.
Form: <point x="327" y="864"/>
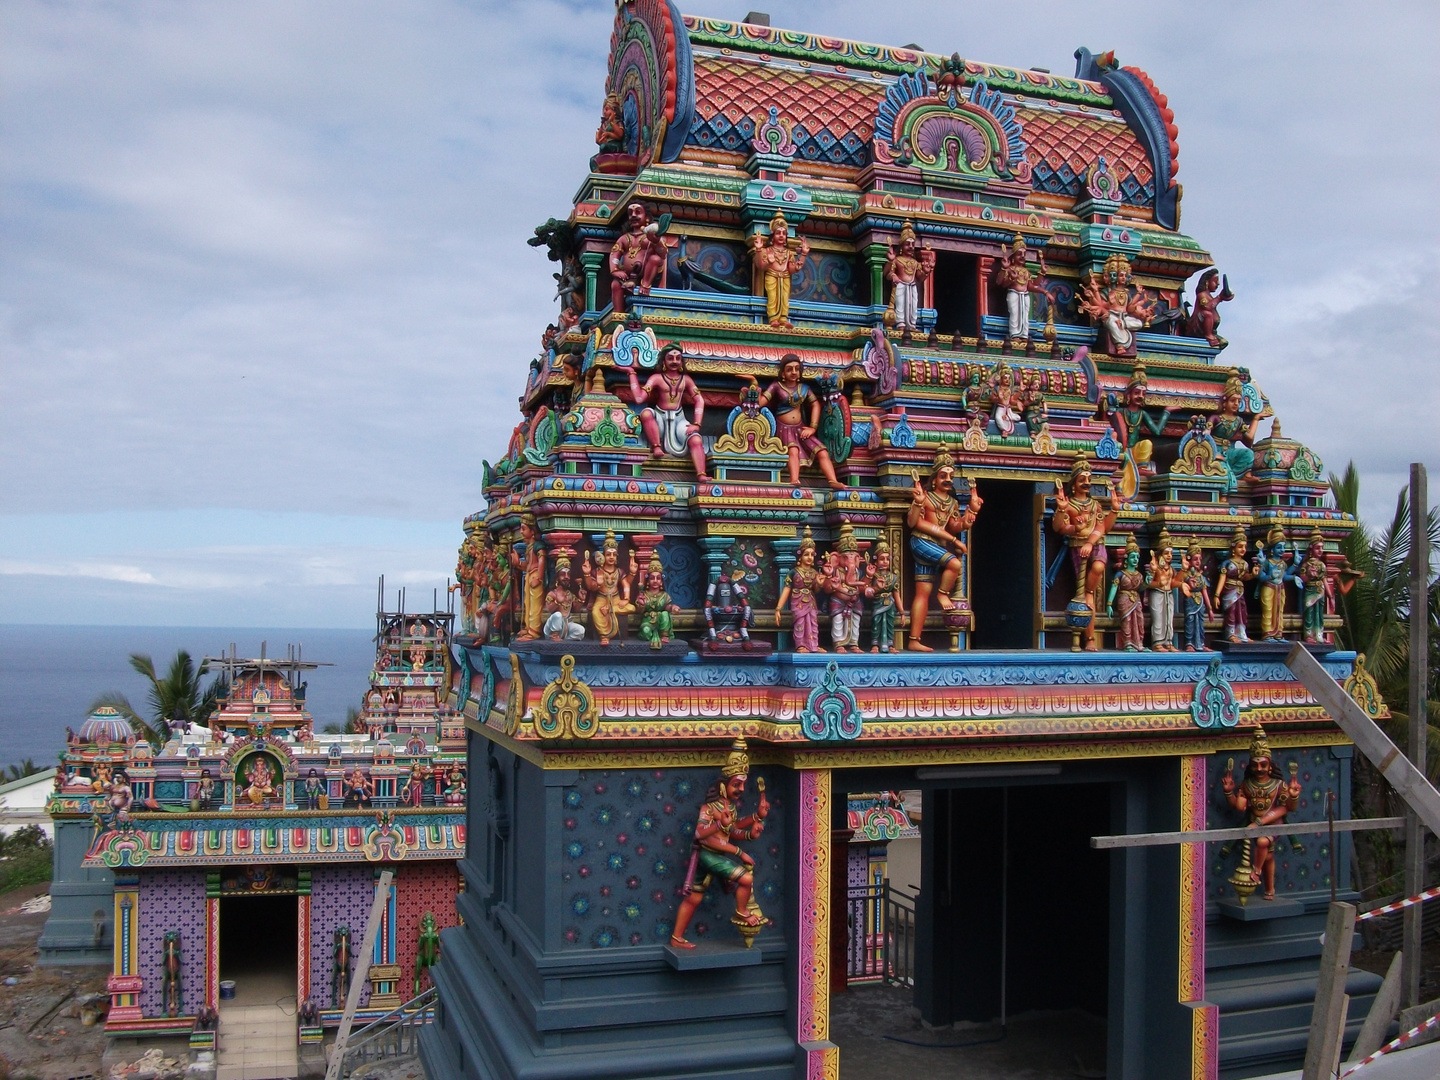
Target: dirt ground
<point x="41" y="1032"/>
<point x="1379" y="962"/>
<point x="869" y="1022"/>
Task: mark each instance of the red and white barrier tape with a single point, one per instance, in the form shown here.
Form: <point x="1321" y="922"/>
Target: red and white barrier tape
<point x="1394" y="1044"/>
<point x="1428" y="894"/>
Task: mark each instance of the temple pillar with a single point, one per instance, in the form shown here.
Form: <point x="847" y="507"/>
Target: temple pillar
<point x="986" y="266"/>
<point x="1204" y="1017"/>
<point x="124" y="984"/>
<point x="302" y="948"/>
<point x="819" y="1057"/>
<point x="874" y="256"/>
<point x="212" y="952"/>
<point x="786" y="552"/>
<point x="592" y="261"/>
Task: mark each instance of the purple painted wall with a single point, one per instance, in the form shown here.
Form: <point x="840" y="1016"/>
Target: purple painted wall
<point x="172" y="900"/>
<point x="339" y="896"/>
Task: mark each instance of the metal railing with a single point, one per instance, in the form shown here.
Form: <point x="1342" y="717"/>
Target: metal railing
<point x="880" y="935"/>
<point x="396" y="1034"/>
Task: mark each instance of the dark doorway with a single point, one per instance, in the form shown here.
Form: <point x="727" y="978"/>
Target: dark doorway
<point x="1020" y="918"/>
<point x="957" y="281"/>
<point x="258" y="947"/>
<point x="1002" y="566"/>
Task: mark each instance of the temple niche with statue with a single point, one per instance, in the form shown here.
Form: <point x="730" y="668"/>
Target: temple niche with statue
<point x="885" y="442"/>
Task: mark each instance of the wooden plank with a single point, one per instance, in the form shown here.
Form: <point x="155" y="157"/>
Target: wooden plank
<point x="1409" y="782"/>
<point x="1327" y="1022"/>
<point x="1382" y="1011"/>
<point x="1157" y="839"/>
<point x="362" y="971"/>
<point x="1419" y="682"/>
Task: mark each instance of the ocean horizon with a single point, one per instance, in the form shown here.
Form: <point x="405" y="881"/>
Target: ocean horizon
<point x="50" y="675"/>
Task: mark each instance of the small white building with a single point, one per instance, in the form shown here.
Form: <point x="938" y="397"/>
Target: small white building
<point x="22" y="803"/>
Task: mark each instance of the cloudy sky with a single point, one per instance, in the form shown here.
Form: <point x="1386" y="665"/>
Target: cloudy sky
<point x="265" y="301"/>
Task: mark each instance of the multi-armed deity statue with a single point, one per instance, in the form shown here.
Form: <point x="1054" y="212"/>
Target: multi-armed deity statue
<point x="1264" y="800"/>
<point x="775" y="265"/>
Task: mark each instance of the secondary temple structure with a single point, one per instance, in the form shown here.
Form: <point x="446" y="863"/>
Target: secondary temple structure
<point x="885" y="442"/>
<point x="249" y="850"/>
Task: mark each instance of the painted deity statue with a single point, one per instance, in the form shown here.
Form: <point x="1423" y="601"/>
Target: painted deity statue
<point x="906" y="271"/>
<point x="797" y="414"/>
<point x="561" y="603"/>
<point x="1160" y="592"/>
<point x="205" y="789"/>
<point x="1135" y="425"/>
<point x="1033" y="409"/>
<point x="728" y="614"/>
<point x="1083" y="522"/>
<point x="936" y="523"/>
<point x="1317" y="588"/>
<point x="610" y="137"/>
<point x="314" y="788"/>
<point x="1210" y="292"/>
<point x="663" y="398"/>
<point x="844" y="581"/>
<point x="775" y="265"/>
<point x="1233" y="434"/>
<point x="882" y="588"/>
<point x="117" y="801"/>
<point x="1106" y="298"/>
<point x="412" y="793"/>
<point x="358" y="789"/>
<point x="1125" y="589"/>
<point x="716" y="855"/>
<point x="1271" y="572"/>
<point x="656" y="608"/>
<point x="532" y="581"/>
<point x="1005" y="400"/>
<point x="611" y="588"/>
<point x="427" y="951"/>
<point x="800" y="590"/>
<point x="1230" y="589"/>
<point x="260" y="780"/>
<point x="1264" y="800"/>
<point x="467" y="576"/>
<point x="1019" y="282"/>
<point x="637" y="258"/>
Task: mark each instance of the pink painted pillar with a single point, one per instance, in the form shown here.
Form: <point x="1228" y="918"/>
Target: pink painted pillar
<point x="821" y="1056"/>
<point x="1204" y="1017"/>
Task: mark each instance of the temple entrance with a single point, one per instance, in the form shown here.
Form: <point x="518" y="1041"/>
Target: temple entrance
<point x="259" y="953"/>
<point x="956" y="293"/>
<point x="257" y="949"/>
<point x="1002" y="566"/>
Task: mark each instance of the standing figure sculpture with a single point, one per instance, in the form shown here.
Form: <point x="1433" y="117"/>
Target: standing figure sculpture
<point x="1210" y="292"/>
<point x="611" y="588"/>
<point x="1106" y="298"/>
<point x="205" y="790"/>
<point x="1132" y="423"/>
<point x="905" y="272"/>
<point x="797" y="414"/>
<point x="716" y="853"/>
<point x="775" y="265"/>
<point x="936" y="523"/>
<point x="800" y="589"/>
<point x="1080" y="518"/>
<point x="662" y="416"/>
<point x="1317" y="588"/>
<point x="1125" y="587"/>
<point x="882" y="586"/>
<point x="655" y="606"/>
<point x="845" y="582"/>
<point x="1272" y="572"/>
<point x="637" y="258"/>
<point x="560" y="604"/>
<point x="1230" y="589"/>
<point x="1019" y="282"/>
<point x="1264" y="800"/>
<point x="314" y="788"/>
<point x="427" y="951"/>
<point x="531" y="569"/>
<point x="1160" y="591"/>
<point x="1196" y="591"/>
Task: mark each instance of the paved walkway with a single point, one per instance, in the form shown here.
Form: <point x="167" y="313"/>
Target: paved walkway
<point x="257" y="1029"/>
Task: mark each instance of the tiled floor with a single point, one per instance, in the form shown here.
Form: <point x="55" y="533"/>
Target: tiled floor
<point x="257" y="1029"/>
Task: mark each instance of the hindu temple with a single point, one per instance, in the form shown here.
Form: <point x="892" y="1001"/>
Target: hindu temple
<point x="242" y="856"/>
<point x="885" y="442"/>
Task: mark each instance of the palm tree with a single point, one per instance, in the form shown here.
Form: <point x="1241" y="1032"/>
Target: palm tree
<point x="19" y="772"/>
<point x="177" y="699"/>
<point x="1376" y="613"/>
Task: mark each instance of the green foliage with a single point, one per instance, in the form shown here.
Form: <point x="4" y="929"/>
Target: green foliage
<point x="178" y="697"/>
<point x="19" y="772"/>
<point x="26" y="856"/>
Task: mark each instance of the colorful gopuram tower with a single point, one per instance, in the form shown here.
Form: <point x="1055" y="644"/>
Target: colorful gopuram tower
<point x="881" y="445"/>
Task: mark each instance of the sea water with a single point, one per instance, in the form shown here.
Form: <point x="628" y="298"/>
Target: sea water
<point x="51" y="675"/>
